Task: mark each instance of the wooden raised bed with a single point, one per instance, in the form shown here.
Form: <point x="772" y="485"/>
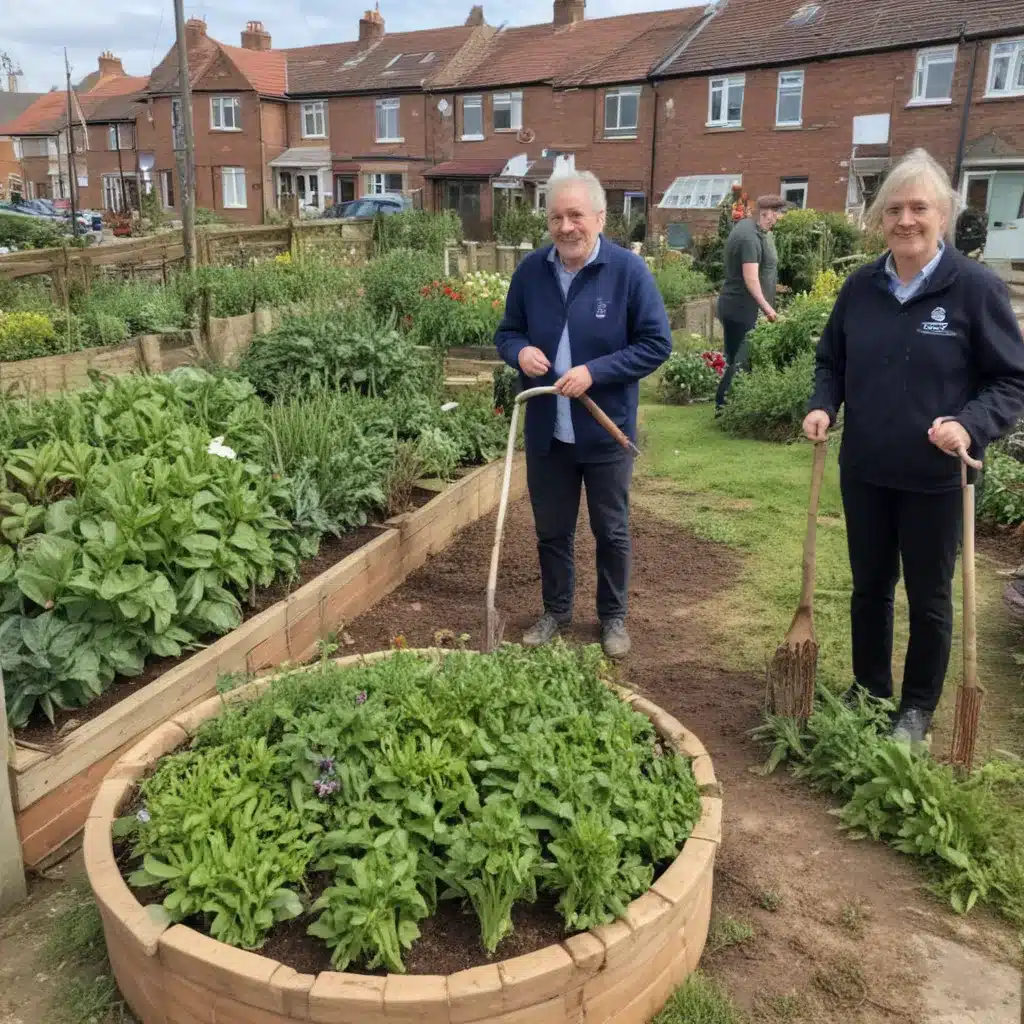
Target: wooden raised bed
<point x="621" y="973"/>
<point x="53" y="790"/>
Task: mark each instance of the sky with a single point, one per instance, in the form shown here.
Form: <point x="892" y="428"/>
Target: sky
<point x="141" y="31"/>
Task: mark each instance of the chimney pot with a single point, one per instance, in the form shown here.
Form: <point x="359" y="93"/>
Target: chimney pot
<point x="255" y="36"/>
<point x="109" y="65"/>
<point x="371" y="26"/>
<point x="568" y="12"/>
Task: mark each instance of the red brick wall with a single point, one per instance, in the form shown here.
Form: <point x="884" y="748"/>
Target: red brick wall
<point x="9" y="164"/>
<point x="835" y="92"/>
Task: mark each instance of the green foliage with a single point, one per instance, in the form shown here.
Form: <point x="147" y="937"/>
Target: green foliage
<point x="506" y="387"/>
<point x="769" y="403"/>
<point x="515" y="223"/>
<point x="19" y="232"/>
<point x="688" y="377"/>
<point x="27" y="336"/>
<point x="968" y="832"/>
<point x="700" y="1000"/>
<point x="453" y="313"/>
<point x="143" y="307"/>
<point x="809" y="241"/>
<point x="394" y="282"/>
<point x="1001" y="496"/>
<point x="795" y="333"/>
<point x="679" y="283"/>
<point x="421" y="230"/>
<point x="488" y="779"/>
<point x="203" y="216"/>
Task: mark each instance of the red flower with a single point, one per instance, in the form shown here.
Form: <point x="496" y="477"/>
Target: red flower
<point x="499" y="410"/>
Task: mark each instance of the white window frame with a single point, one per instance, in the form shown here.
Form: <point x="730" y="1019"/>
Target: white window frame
<point x="236" y="202"/>
<point x="684" y="192"/>
<point x="926" y="59"/>
<point x="111" y="190"/>
<point x="618" y="130"/>
<point x="167" y="189"/>
<point x="514" y="102"/>
<point x="1015" y="70"/>
<point x="385" y="107"/>
<point x="792" y="184"/>
<point x="113" y="139"/>
<point x="219" y="106"/>
<point x="317" y="110"/>
<point x="376" y="183"/>
<point x="789" y="82"/>
<point x="725" y="84"/>
<point x="477" y="102"/>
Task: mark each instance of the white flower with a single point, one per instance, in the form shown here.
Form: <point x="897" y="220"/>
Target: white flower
<point x="448" y="406"/>
<point x="218" y="447"/>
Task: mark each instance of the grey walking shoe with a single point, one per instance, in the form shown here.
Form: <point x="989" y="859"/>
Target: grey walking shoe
<point x="912" y="726"/>
<point x="614" y="639"/>
<point x="543" y="631"/>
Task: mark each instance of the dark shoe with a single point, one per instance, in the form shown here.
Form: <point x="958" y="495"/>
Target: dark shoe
<point x="543" y="631"/>
<point x="911" y="725"/>
<point x="615" y="640"/>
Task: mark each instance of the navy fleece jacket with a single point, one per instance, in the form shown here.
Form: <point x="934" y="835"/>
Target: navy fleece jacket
<point x="618" y="328"/>
<point x="955" y="349"/>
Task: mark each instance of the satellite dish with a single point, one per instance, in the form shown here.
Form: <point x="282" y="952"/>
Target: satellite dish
<point x="443" y="106"/>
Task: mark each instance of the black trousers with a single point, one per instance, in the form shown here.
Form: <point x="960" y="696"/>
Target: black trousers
<point x="555" y="482"/>
<point x="885" y="527"/>
<point x="737" y="354"/>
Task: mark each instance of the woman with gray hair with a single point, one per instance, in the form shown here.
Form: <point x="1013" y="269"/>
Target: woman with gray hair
<point x="924" y="351"/>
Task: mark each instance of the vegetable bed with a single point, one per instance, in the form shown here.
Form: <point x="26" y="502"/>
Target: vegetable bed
<point x="353" y="800"/>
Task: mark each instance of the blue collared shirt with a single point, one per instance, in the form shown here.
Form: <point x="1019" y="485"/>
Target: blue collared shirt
<point x="905" y="292"/>
<point x="563" y="355"/>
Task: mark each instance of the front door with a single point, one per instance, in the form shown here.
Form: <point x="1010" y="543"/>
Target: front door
<point x="1006" y="216"/>
<point x="464" y="198"/>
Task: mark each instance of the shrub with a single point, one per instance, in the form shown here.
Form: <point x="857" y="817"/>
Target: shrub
<point x="26" y="336"/>
<point x="795" y="333"/>
<point x="688" y="377"/>
<point x="506" y="387"/>
<point x="1001" y="497"/>
<point x="97" y="328"/>
<point x="461" y="313"/>
<point x="393" y="283"/>
<point x="770" y="403"/>
<point x="808" y="242"/>
<point x="145" y="308"/>
<point x="205" y="216"/>
<point x="518" y="223"/>
<point x="417" y="229"/>
<point x="971" y="231"/>
<point x="20" y="232"/>
<point x="679" y="283"/>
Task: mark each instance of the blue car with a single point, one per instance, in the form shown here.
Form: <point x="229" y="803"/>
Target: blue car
<point x="368" y="207"/>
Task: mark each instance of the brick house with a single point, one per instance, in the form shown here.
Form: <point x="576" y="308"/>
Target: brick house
<point x="816" y="100"/>
<point x="12" y="104"/>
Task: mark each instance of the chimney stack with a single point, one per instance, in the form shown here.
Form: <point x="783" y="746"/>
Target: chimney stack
<point x="568" y="12"/>
<point x="255" y="36"/>
<point x="195" y="29"/>
<point x="12" y="81"/>
<point x="110" y="66"/>
<point x="371" y="26"/>
<point x="476" y="17"/>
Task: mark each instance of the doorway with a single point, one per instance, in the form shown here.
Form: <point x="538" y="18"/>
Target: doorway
<point x="1006" y="216"/>
<point x="344" y="188"/>
<point x="464" y="198"/>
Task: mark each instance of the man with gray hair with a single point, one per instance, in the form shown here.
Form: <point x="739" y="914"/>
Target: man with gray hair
<point x="583" y="315"/>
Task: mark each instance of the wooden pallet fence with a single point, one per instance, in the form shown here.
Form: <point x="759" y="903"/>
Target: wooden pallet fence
<point x="53" y="790"/>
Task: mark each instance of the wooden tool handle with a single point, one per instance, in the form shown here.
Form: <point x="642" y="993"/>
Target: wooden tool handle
<point x="817" y="473"/>
<point x="602" y="417"/>
<point x="970" y="620"/>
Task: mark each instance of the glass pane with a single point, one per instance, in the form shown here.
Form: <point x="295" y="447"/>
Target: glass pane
<point x="702" y="193"/>
<point x="735" y="112"/>
<point x="1000" y="73"/>
<point x="473" y="118"/>
<point x="629" y="107"/>
<point x="502" y="117"/>
<point x="939" y="84"/>
<point x="716" y="105"/>
<point x="789" y="108"/>
<point x="611" y="110"/>
<point x="393" y="183"/>
<point x="1019" y="80"/>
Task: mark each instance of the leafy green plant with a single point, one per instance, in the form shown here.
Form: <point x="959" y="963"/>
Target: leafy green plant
<point x="1001" y="496"/>
<point x="795" y="333"/>
<point x="421" y="230"/>
<point x="770" y="403"/>
<point x="809" y="241"/>
<point x="393" y="283"/>
<point x="515" y="223"/>
<point x="19" y="232"/>
<point x="689" y="377"/>
<point x="678" y="283"/>
<point x="27" y="336"/>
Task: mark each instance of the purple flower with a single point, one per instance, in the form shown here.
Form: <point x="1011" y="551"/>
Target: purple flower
<point x="361" y="697"/>
<point x="325" y="787"/>
<point x="143" y="816"/>
<point x="327" y="766"/>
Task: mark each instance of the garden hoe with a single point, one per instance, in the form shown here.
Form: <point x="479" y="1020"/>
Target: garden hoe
<point x="969" y="693"/>
<point x="792" y="672"/>
<point x="494" y="621"/>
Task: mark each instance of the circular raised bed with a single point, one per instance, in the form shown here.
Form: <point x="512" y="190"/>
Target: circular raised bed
<point x="621" y="972"/>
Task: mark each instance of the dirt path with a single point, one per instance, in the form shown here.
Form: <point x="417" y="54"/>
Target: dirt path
<point x="842" y="931"/>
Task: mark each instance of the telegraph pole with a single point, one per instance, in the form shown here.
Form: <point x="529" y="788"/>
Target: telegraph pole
<point x="72" y="180"/>
<point x="186" y="165"/>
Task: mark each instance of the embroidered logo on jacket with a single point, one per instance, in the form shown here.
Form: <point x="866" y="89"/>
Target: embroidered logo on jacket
<point x="937" y="325"/>
<point x="601" y="310"/>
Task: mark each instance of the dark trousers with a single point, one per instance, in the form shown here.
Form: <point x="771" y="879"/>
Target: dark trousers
<point x="885" y="527"/>
<point x="555" y="482"/>
<point x="737" y="354"/>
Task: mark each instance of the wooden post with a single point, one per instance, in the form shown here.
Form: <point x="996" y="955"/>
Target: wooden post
<point x="12" y="870"/>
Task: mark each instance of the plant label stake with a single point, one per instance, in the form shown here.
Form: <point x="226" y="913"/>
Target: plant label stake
<point x="494" y="621"/>
<point x="789" y="688"/>
<point x="969" y="693"/>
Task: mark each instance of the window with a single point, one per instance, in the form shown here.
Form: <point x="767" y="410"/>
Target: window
<point x="387" y="121"/>
<point x="232" y="181"/>
<point x="472" y="117"/>
<point x="1006" y="69"/>
<point x="120" y="136"/>
<point x="177" y="128"/>
<point x="314" y="124"/>
<point x="112" y="140"/>
<point x="698" y="193"/>
<point x="167" y="189"/>
<point x="226" y="114"/>
<point x="634" y="206"/>
<point x="508" y="111"/>
<point x="789" y="104"/>
<point x="384" y="184"/>
<point x="725" y="102"/>
<point x="794" y="190"/>
<point x="113" y="192"/>
<point x="35" y="147"/>
<point x="621" y="112"/>
<point x="933" y="80"/>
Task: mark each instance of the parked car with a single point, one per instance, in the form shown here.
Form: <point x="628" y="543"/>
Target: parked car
<point x="367" y="207"/>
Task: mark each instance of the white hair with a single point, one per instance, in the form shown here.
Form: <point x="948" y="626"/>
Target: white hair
<point x="917" y="167"/>
<point x="587" y="179"/>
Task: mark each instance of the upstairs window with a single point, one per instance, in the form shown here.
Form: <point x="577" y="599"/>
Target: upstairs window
<point x="314" y="120"/>
<point x="473" y="117"/>
<point x="226" y="114"/>
<point x="789" y="101"/>
<point x="387" y="121"/>
<point x="933" y="79"/>
<point x="508" y="111"/>
<point x="725" y="102"/>
<point x="621" y="112"/>
<point x="1006" y="68"/>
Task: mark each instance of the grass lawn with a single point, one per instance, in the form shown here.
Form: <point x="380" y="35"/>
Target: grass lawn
<point x="753" y="497"/>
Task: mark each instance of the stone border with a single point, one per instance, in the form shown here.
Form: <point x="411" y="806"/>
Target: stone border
<point x="621" y="973"/>
<point x="53" y="790"/>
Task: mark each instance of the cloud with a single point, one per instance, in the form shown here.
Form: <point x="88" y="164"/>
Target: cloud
<point x="141" y="32"/>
